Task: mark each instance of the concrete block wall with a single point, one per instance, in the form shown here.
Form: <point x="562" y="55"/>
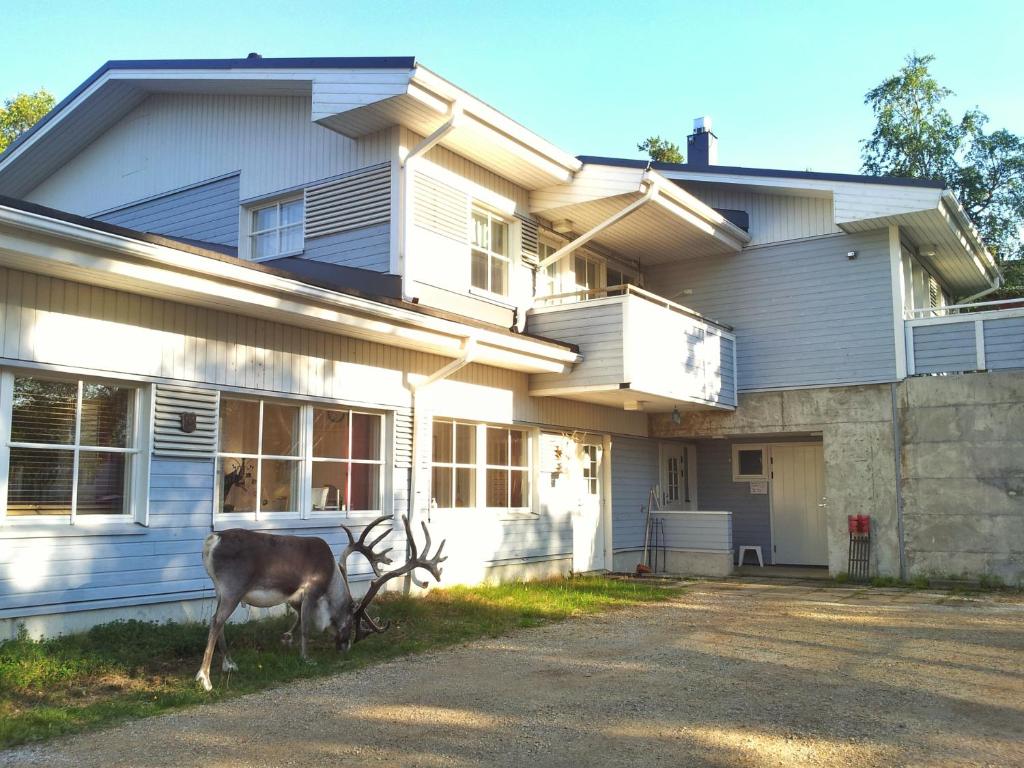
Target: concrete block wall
<point x="962" y="464"/>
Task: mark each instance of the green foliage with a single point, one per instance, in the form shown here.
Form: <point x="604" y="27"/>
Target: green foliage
<point x="885" y="581"/>
<point x="20" y="113"/>
<point x="661" y="150"/>
<point x="132" y="669"/>
<point x="915" y="135"/>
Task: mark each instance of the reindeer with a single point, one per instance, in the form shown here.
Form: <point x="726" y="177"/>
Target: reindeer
<point x="264" y="570"/>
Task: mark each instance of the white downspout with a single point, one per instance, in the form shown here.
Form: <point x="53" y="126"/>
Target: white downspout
<point x="406" y="185"/>
<point x="469" y="352"/>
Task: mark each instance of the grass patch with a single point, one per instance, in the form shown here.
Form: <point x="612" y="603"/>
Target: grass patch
<point x="133" y="669"/>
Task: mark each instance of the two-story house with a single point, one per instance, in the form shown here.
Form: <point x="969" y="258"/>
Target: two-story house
<point x="291" y="294"/>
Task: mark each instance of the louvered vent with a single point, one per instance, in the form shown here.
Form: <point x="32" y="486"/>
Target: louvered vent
<point x="403" y="438"/>
<point x="934" y="293"/>
<point x="441" y="208"/>
<point x="360" y="199"/>
<point x="529" y="239"/>
<point x="173" y="413"/>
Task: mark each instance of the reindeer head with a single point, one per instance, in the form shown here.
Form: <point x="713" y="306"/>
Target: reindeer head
<point x="354" y="623"/>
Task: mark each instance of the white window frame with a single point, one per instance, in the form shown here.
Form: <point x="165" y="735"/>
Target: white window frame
<point x="481" y="467"/>
<point x="454" y="465"/>
<point x="510" y="236"/>
<point x="736" y="448"/>
<point x="249" y="217"/>
<point x="136" y="466"/>
<point x="305" y="459"/>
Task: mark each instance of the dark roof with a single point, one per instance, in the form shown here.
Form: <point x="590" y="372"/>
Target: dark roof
<point x="329" y="62"/>
<point x="363" y="284"/>
<point x="765" y="172"/>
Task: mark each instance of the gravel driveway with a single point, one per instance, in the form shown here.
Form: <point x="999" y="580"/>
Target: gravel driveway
<point x="730" y="674"/>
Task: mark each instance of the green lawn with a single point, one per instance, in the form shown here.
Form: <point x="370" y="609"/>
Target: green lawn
<point x="135" y="669"/>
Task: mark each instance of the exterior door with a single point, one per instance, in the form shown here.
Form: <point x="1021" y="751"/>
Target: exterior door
<point x="678" y="476"/>
<point x="588" y="521"/>
<point x="798" y="511"/>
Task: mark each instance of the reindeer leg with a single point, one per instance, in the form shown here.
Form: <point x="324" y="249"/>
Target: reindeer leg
<point x="286" y="638"/>
<point x="306" y="611"/>
<point x="226" y="664"/>
<point x="220" y="616"/>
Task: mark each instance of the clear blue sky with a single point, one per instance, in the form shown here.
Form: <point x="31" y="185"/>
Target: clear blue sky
<point x="784" y="81"/>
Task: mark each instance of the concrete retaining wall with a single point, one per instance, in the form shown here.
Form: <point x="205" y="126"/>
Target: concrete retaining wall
<point x="961" y="465"/>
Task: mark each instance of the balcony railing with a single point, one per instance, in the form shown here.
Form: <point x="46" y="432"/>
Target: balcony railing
<point x="981" y="336"/>
<point x="639" y="350"/>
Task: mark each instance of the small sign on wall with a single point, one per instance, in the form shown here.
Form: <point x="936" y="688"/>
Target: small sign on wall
<point x="759" y="487"/>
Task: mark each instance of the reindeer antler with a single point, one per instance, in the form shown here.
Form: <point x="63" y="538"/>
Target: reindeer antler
<point x="376" y="559"/>
<point x="366" y="625"/>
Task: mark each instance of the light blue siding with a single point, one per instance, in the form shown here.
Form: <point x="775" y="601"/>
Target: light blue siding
<point x="945" y="347"/>
<point x="206" y="212"/>
<point x="697" y="530"/>
<point x="634" y="473"/>
<point x="751" y="516"/>
<point x="365" y="248"/>
<point x="1004" y="343"/>
<point x="803" y="313"/>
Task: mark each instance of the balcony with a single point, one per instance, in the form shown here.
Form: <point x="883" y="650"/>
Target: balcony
<point x="989" y="336"/>
<point x="640" y="351"/>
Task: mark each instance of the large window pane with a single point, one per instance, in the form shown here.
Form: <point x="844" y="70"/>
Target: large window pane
<point x="106" y="415"/>
<point x="497" y="446"/>
<point x="499" y="276"/>
<point x="518" y="496"/>
<point x="366" y="436"/>
<point x="264" y="246"/>
<point x="441" y="485"/>
<point x="236" y="484"/>
<point x="497" y="487"/>
<point x="330" y="478"/>
<point x="330" y="434"/>
<point x="480" y="230"/>
<point x="264" y="218"/>
<point x="291" y="213"/>
<point x="478" y="269"/>
<point x="365" y="485"/>
<point x="519" y="448"/>
<point x="441" y="451"/>
<point x="465" y="487"/>
<point x="101" y="483"/>
<point x="279" y="485"/>
<point x="499" y="237"/>
<point x="280" y="430"/>
<point x="239" y="426"/>
<point x="291" y="239"/>
<point x="465" y="444"/>
<point x="40" y="482"/>
<point x="44" y="411"/>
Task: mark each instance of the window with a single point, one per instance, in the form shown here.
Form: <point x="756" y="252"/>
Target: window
<point x="507" y="468"/>
<point x="276" y="229"/>
<point x="547" y="278"/>
<point x="616" y="277"/>
<point x="454" y="465"/>
<point x="469" y="457"/>
<point x="591" y="468"/>
<point x="71" y="455"/>
<point x="282" y="460"/>
<point x="749" y="462"/>
<point x="587" y="273"/>
<point x="489" y="269"/>
<point x="348" y="462"/>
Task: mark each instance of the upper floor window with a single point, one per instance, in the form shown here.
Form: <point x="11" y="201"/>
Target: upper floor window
<point x="276" y="229"/>
<point x="489" y="268"/>
<point x="72" y="451"/>
<point x="548" y="283"/>
<point x="587" y="273"/>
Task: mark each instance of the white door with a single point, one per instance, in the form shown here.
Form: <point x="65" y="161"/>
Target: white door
<point x="588" y="520"/>
<point x="798" y="512"/>
<point x="678" y="476"/>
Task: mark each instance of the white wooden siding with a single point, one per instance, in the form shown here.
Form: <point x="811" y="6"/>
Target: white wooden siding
<point x="56" y="322"/>
<point x="269" y="139"/>
<point x="441" y="208"/>
<point x="773" y="217"/>
<point x="597" y="327"/>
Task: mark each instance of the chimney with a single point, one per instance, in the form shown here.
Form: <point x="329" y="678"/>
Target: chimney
<point x="702" y="144"/>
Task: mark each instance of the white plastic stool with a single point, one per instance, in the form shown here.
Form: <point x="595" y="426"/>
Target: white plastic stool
<point x="755" y="550"/>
